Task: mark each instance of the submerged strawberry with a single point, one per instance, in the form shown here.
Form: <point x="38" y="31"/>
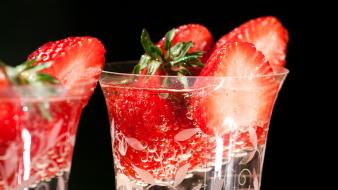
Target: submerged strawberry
<point x="148" y="131"/>
<point x="12" y="115"/>
<point x="8" y="124"/>
<point x="75" y="61"/>
<point x="245" y="100"/>
<point x="266" y="33"/>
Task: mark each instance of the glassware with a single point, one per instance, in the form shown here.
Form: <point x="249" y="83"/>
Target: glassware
<point x="171" y="132"/>
<point x="38" y="125"/>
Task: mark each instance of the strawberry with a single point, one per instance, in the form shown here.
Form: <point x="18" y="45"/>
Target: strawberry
<point x="244" y="101"/>
<point x="75" y="61"/>
<point x="266" y="33"/>
<point x="8" y="116"/>
<point x="199" y="35"/>
<point x="8" y="123"/>
<point x="144" y="124"/>
<point x="174" y="59"/>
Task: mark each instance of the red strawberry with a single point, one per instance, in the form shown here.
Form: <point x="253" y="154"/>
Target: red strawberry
<point x="244" y="101"/>
<point x="178" y="53"/>
<point x="76" y="60"/>
<point x="8" y="112"/>
<point x="266" y="33"/>
<point x="173" y="59"/>
<point x="199" y="35"/>
<point x="145" y="122"/>
<point x="8" y="123"/>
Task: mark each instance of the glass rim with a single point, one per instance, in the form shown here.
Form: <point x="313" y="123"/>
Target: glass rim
<point x="32" y="92"/>
<point x="278" y="71"/>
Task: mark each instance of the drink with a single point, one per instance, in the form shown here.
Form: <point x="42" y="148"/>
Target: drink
<point x="40" y="105"/>
<point x="160" y="140"/>
<point x="37" y="136"/>
<point x="193" y="116"/>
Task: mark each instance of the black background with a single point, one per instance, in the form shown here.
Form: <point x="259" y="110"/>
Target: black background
<point x="27" y="24"/>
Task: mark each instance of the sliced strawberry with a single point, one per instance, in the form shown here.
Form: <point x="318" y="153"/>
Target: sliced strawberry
<point x="246" y="99"/>
<point x="199" y="35"/>
<point x="76" y="61"/>
<point x="266" y="33"/>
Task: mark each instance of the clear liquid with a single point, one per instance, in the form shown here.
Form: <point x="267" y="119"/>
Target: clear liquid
<point x="34" y="149"/>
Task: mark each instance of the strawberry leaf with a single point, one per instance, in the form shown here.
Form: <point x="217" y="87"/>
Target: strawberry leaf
<point x="184" y="50"/>
<point x="10" y="73"/>
<point x="168" y="41"/>
<point x="43" y="77"/>
<point x="176" y="62"/>
<point x="183" y="80"/>
<point x="24" y="66"/>
<point x="196" y="63"/>
<point x="153" y="66"/>
<point x="176" y="49"/>
<point x="187" y="58"/>
<point x="31" y="68"/>
<point x="143" y="63"/>
<point x="197" y="53"/>
<point x="182" y="70"/>
<point x="149" y="47"/>
<point x="169" y="38"/>
<point x="29" y="74"/>
<point x="44" y="110"/>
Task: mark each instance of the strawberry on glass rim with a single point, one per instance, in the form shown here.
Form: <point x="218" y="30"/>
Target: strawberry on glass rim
<point x="266" y="33"/>
<point x="40" y="105"/>
<point x="74" y="61"/>
<point x="247" y="97"/>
